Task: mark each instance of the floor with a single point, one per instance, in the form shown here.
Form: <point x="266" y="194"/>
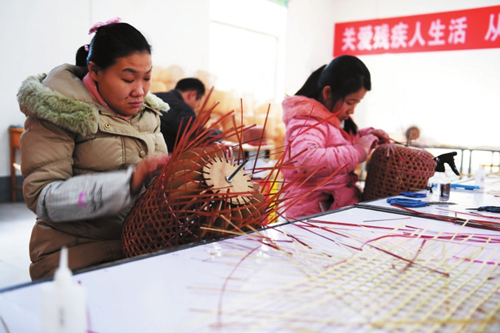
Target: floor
<point x="16" y="221"/>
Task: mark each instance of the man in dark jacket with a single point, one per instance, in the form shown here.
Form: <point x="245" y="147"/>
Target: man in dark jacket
<point x="183" y="100"/>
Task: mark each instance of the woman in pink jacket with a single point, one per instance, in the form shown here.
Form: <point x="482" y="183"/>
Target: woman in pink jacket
<point x="322" y="141"/>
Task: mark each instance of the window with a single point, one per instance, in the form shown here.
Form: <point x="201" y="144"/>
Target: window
<point x="247" y="48"/>
<point x="243" y="60"/>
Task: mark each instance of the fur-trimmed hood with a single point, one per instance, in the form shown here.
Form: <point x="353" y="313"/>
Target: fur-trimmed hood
<point x="61" y="98"/>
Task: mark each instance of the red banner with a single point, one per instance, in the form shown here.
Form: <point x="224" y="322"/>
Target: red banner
<point x="477" y="28"/>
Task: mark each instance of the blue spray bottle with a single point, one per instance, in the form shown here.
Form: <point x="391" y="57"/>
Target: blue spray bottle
<point x="438" y="186"/>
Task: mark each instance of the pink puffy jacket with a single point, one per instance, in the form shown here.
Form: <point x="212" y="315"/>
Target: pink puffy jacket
<point x="316" y="147"/>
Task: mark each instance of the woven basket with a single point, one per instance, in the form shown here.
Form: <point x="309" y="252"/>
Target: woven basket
<point x="192" y="200"/>
<point x="395" y="168"/>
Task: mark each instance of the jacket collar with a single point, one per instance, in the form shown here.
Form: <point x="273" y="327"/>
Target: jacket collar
<point x="304" y="107"/>
<point x="61" y="98"/>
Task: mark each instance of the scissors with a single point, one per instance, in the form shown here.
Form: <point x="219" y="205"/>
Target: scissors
<point x="404" y="202"/>
<point x="491" y="209"/>
<point x="413" y="194"/>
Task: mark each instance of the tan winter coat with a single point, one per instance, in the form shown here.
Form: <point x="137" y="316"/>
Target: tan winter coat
<point x="68" y="133"/>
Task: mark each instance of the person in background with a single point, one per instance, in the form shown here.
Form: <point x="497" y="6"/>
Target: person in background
<point x="186" y="97"/>
<point x="318" y="122"/>
<point x="183" y="100"/>
<point x="92" y="143"/>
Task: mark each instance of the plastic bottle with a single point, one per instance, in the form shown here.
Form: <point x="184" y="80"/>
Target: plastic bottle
<point x="439" y="185"/>
<point x="480" y="176"/>
<point x="63" y="307"/>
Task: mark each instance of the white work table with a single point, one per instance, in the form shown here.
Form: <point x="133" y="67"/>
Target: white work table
<point x="457" y="207"/>
<point x="353" y="270"/>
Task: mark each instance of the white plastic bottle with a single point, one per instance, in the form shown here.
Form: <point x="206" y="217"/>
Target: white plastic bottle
<point x="438" y="187"/>
<point x="480" y="176"/>
<point x="63" y="305"/>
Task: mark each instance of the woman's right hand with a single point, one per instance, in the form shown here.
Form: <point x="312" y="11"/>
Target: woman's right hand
<point x="381" y="135"/>
<point x="146" y="169"/>
<point x="368" y="142"/>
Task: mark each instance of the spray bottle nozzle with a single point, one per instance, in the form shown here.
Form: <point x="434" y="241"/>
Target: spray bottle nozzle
<point x="446" y="158"/>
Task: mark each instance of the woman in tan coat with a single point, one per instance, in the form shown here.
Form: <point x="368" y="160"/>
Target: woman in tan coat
<point x="92" y="140"/>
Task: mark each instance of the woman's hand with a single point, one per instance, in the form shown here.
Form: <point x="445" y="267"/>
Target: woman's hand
<point x="146" y="169"/>
<point x="381" y="135"/>
<point x="368" y="142"/>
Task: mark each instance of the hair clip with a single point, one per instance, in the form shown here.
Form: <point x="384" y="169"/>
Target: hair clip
<point x="102" y="24"/>
<point x="86" y="47"/>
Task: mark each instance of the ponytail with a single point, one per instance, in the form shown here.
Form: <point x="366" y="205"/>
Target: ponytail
<point x="311" y="87"/>
<point x="81" y="56"/>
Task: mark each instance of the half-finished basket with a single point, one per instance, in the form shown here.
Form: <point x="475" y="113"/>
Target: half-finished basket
<point x="395" y="168"/>
<point x="203" y="194"/>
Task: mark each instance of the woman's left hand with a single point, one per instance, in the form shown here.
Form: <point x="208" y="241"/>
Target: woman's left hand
<point x="381" y="135"/>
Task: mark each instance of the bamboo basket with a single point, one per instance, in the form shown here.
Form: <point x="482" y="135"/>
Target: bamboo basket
<point x="395" y="168"/>
<point x="192" y="200"/>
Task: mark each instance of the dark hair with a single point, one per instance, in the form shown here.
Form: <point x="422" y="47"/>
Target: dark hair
<point x="345" y="75"/>
<point x="110" y="42"/>
<point x="81" y="57"/>
<point x="191" y="83"/>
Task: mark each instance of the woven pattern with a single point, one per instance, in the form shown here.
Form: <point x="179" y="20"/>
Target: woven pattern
<point x="339" y="277"/>
<point x="394" y="168"/>
<point x="183" y="205"/>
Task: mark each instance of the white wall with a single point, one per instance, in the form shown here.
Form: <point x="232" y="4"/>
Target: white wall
<point x="177" y="30"/>
<point x="33" y="39"/>
<point x="37" y="35"/>
<point x="309" y="43"/>
<point x="446" y="94"/>
<point x="247" y="48"/>
<point x="451" y="96"/>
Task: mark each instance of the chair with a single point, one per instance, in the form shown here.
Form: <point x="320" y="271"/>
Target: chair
<point x="253" y="138"/>
<point x="14" y="138"/>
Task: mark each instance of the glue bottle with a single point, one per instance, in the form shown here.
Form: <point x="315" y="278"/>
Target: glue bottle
<point x="63" y="307"/>
<point x="439" y="185"/>
<point x="480" y="176"/>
